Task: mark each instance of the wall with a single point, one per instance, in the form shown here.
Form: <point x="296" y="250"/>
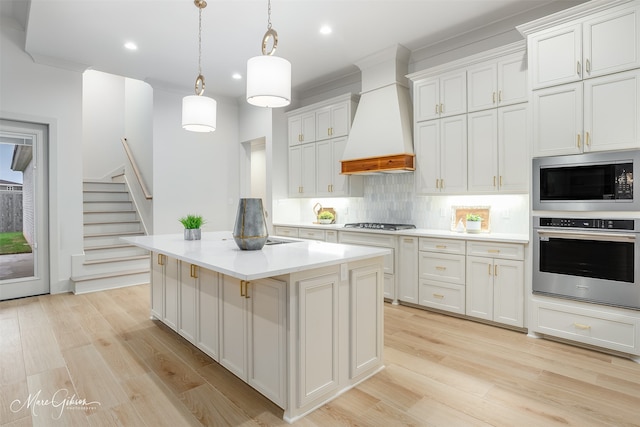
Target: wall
<point x="11" y="212"/>
<point x="41" y="94"/>
<point x="193" y="172"/>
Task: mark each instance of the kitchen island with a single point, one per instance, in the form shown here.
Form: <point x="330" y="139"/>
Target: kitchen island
<point x="299" y="321"/>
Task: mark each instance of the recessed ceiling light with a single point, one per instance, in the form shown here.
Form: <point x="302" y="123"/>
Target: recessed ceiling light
<point x="131" y="46"/>
<point x="236" y="76"/>
<point x="325" y="29"/>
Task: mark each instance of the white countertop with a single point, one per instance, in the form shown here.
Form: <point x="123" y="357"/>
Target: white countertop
<point x="424" y="232"/>
<point x="218" y="251"/>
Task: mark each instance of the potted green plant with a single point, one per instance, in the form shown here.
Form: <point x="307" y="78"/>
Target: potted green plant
<point x="192" y="224"/>
<point x="325" y="217"/>
<point x="474" y="223"/>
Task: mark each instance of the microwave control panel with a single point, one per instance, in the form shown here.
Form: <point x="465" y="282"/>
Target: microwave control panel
<point x="606" y="224"/>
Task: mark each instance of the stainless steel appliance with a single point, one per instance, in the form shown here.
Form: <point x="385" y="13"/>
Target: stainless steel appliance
<point x="587" y="259"/>
<point x="592" y="181"/>
<point x="380" y="226"/>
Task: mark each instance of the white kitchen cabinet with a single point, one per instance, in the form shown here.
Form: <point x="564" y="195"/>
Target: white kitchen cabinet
<point x="495" y="286"/>
<point x="408" y="269"/>
<point x="334" y="120"/>
<point x="441" y="96"/>
<point x="208" y="312"/>
<point x="331" y="236"/>
<point x="497" y="83"/>
<point x="188" y="288"/>
<point x="603" y="43"/>
<point x="169" y="279"/>
<point x="302" y="170"/>
<point x="158" y="263"/>
<point x="286" y="231"/>
<point x="302" y="128"/>
<point x="498" y="150"/>
<point x="318" y="318"/>
<point x="311" y="234"/>
<point x="330" y="182"/>
<point x="441" y="268"/>
<point x="441" y="155"/>
<point x="252" y="326"/>
<point x="595" y="115"/>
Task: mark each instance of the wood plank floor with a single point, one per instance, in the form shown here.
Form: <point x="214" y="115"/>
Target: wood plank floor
<point x="440" y="371"/>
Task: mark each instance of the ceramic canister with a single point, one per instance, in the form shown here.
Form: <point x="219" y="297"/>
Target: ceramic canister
<point x="250" y="232"/>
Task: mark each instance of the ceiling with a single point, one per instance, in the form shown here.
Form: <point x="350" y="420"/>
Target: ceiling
<point x="83" y="34"/>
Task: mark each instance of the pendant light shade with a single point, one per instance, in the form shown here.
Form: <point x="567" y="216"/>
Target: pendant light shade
<point x="199" y="113"/>
<point x="269" y="77"/>
<point x="268" y="81"/>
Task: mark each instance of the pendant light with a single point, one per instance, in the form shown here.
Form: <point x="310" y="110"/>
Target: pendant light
<point x="268" y="76"/>
<point x="198" y="111"/>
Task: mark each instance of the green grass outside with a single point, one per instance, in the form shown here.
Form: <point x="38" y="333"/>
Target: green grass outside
<point x="13" y="243"/>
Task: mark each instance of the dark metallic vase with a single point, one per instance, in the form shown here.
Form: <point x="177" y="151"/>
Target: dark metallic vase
<point x="250" y="232"/>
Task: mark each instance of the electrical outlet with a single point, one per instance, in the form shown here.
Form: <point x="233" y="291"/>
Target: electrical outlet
<point x="506" y="214"/>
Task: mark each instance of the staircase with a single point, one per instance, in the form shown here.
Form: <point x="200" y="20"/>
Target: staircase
<point x="108" y="262"/>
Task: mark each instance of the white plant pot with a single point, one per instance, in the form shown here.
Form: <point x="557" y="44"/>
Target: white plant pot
<point x="474" y="226"/>
<point x="325" y="221"/>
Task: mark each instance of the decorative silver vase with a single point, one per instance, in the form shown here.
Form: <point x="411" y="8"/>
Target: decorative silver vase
<point x="192" y="234"/>
<point x="250" y="231"/>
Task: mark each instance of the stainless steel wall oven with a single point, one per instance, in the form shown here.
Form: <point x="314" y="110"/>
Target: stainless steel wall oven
<point x="587" y="259"/>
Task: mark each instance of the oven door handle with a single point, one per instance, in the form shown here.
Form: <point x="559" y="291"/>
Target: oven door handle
<point x="606" y="237"/>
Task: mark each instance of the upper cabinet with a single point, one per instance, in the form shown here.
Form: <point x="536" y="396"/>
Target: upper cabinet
<point x="334" y="121"/>
<point x="497" y="83"/>
<point x="317" y="138"/>
<point x="302" y="128"/>
<point x="593" y="45"/>
<point x="441" y="96"/>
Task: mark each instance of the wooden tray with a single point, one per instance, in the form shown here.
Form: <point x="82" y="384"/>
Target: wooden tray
<point x="460" y="212"/>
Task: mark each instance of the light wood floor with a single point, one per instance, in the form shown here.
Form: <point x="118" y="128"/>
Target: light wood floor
<point x="440" y="371"/>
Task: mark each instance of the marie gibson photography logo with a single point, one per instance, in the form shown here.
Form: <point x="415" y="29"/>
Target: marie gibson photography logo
<point x="60" y="401"/>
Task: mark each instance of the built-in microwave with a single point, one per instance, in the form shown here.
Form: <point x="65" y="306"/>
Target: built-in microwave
<point x="591" y="181"/>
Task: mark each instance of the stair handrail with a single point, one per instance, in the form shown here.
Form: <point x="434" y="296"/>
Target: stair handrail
<point x="136" y="171"/>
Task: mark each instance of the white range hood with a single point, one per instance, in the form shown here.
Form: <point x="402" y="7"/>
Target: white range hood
<point x="381" y="139"/>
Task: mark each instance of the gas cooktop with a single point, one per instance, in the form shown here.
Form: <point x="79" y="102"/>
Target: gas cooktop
<point x="380" y="226"/>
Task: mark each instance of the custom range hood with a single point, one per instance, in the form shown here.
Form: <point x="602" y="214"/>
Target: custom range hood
<point x="380" y="139"/>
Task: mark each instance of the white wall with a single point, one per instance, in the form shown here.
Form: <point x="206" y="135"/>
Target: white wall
<point x="40" y="94"/>
<point x="138" y="126"/>
<point x="193" y="172"/>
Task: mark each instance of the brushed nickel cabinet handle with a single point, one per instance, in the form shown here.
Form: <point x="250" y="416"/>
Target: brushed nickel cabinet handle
<point x="242" y="292"/>
<point x="493" y="251"/>
<point x="441" y="108"/>
<point x="588" y="65"/>
<point x="500" y="181"/>
<point x="436" y="108"/>
<point x="494" y="180"/>
<point x="441" y="246"/>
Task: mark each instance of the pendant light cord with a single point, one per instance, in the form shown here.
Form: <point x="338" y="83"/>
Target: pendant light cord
<point x="269" y="14"/>
<point x="199" y="41"/>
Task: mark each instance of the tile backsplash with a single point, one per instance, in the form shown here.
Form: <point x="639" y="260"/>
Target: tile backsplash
<point x="392" y="198"/>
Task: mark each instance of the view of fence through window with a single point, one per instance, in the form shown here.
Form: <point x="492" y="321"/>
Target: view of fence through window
<point x="16" y="208"/>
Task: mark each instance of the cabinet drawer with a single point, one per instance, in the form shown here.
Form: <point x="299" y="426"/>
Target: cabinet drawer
<point x="286" y="231"/>
<point x="447" y="246"/>
<point x="443" y="296"/>
<point x="331" y="236"/>
<point x="442" y="267"/>
<point x="496" y="250"/>
<point x="367" y="239"/>
<point x="309" y="233"/>
<point x="599" y="328"/>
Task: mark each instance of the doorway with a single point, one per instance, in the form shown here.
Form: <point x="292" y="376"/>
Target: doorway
<point x="253" y="179"/>
<point x="24" y="225"/>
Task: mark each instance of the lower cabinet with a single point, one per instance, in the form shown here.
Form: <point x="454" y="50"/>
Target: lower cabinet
<point x="442" y="274"/>
<point x="164" y="289"/>
<point x="495" y="286"/>
<point x="408" y="269"/>
<point x="187" y="325"/>
<point x="252" y="323"/>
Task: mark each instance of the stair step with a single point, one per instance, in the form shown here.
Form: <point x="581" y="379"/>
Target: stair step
<point x="118" y="259"/>
<point x="103" y="186"/>
<point x="113" y="266"/>
<point x="112" y="227"/>
<point x="106" y="252"/>
<point x="102" y="196"/>
<point x="101" y="282"/>
<point x="105" y="239"/>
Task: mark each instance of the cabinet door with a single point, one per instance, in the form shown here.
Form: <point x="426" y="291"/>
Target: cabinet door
<point x="427" y="147"/>
<point x="157" y="285"/>
<point x="318" y="334"/>
<point x="557" y="120"/>
<point x="483" y="151"/>
<point x="188" y="287"/>
<point x="611" y="42"/>
<point x="427" y="100"/>
<point x="171" y="293"/>
<point x="308" y="170"/>
<point x="513" y="148"/>
<point x="408" y="269"/>
<point x="453" y="94"/>
<point x="482" y="90"/>
<point x="612" y="112"/>
<point x="340" y="119"/>
<point x="479" y="292"/>
<point x="508" y="292"/>
<point x="308" y="127"/>
<point x="295" y="171"/>
<point x="453" y="154"/>
<point x="341" y="184"/>
<point x="208" y="312"/>
<point x="323" y="124"/>
<point x="266" y="307"/>
<point x="555" y="56"/>
<point x="295" y="130"/>
<point x="512" y="79"/>
<point x="233" y="326"/>
<point x="365" y="286"/>
<point x="324" y="162"/>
